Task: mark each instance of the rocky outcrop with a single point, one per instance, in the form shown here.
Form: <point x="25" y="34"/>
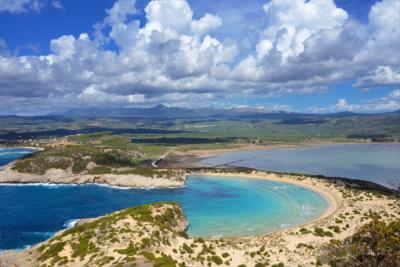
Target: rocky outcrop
<point x="58" y="176"/>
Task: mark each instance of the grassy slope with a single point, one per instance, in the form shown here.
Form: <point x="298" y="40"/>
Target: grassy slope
<point x="125" y="237"/>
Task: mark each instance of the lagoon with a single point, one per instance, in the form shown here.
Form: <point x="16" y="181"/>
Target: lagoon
<point x="379" y="163"/>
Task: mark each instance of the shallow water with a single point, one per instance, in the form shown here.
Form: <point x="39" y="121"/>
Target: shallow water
<point x="378" y="163"/>
<point x="215" y="206"/>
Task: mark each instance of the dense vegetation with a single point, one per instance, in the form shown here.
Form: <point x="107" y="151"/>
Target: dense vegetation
<point x="376" y="244"/>
<point x="74" y="157"/>
<point x="95" y="154"/>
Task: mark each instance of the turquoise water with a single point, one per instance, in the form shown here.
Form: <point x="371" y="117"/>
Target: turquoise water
<point x="379" y="163"/>
<point x="215" y="206"/>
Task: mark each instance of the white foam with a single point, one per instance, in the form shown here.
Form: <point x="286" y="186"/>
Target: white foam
<point x="113" y="186"/>
<point x="51" y="185"/>
<point x="70" y="223"/>
<point x="132" y="187"/>
<point x="24" y="248"/>
<point x="16" y="249"/>
<point x="56" y="185"/>
<point x="45" y="234"/>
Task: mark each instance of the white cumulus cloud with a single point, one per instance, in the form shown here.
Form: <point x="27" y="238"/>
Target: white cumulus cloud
<point x="174" y="56"/>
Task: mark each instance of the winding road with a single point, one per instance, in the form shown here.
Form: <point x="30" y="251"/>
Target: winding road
<point x="156" y="161"/>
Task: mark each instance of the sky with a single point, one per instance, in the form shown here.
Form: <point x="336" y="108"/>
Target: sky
<point x="314" y="56"/>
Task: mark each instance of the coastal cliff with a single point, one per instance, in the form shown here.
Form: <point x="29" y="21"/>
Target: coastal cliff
<point x="159" y="178"/>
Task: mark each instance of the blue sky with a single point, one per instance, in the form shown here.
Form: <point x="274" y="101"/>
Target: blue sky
<point x="24" y="31"/>
<point x="316" y="57"/>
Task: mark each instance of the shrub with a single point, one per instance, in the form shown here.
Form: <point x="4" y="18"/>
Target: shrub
<point x="183" y="234"/>
<point x="304" y="231"/>
<point x="216" y="259"/>
<point x="334" y="228"/>
<point x="225" y="255"/>
<point x="320" y="232"/>
<point x="187" y="249"/>
<point x="302" y="245"/>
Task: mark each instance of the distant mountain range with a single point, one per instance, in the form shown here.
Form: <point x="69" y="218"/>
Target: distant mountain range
<point x="162" y="111"/>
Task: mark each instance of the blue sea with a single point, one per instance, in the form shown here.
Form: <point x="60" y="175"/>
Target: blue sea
<point x="215" y="206"/>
